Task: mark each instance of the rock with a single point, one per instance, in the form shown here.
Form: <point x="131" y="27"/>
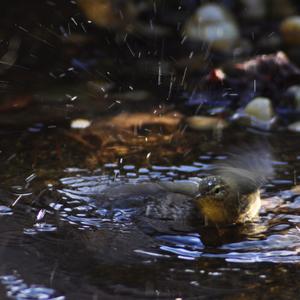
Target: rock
<point x="258" y="113"/>
<point x="260" y="108"/>
<point x="128" y="120"/>
<point x="291" y="97"/>
<point x="206" y="123"/>
<point x="108" y="13"/>
<point x="213" y="24"/>
<point x="295" y="127"/>
<point x="290" y="30"/>
<point x="80" y="123"/>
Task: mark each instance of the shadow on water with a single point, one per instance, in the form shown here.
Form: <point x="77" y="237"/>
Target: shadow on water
<point x="57" y="242"/>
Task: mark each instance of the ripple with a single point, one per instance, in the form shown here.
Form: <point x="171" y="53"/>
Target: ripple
<point x="5" y="211"/>
<point x="40" y="227"/>
<point x="278" y="242"/>
<point x="16" y="288"/>
<point x="185" y="240"/>
<point x="182" y="252"/>
<point x="187" y="169"/>
<point x="272" y="256"/>
<point x="271" y="243"/>
<point x="45" y="227"/>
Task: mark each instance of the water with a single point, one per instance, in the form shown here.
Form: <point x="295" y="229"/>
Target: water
<point x="56" y="243"/>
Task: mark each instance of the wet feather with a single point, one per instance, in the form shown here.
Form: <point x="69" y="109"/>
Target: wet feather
<point x="247" y="169"/>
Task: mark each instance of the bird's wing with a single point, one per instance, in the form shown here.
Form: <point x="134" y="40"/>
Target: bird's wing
<point x="247" y="169"/>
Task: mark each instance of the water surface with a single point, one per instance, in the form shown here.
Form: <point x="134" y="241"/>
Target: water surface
<point x="56" y="243"/>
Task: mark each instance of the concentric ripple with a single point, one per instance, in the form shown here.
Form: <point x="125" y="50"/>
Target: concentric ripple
<point x="274" y="238"/>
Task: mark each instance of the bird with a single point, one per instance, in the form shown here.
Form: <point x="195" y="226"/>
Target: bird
<point x="232" y="195"/>
<point x="229" y="195"/>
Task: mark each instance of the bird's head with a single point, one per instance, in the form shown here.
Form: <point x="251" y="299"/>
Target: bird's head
<point x="212" y="199"/>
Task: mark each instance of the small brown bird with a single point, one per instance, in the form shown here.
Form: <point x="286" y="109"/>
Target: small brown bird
<point x="232" y="195"/>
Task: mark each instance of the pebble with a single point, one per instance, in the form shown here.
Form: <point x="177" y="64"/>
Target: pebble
<point x="206" y="123"/>
<point x="213" y="24"/>
<point x="258" y="113"/>
<point x="106" y="13"/>
<point x="291" y="97"/>
<point x="80" y="124"/>
<point x="260" y="108"/>
<point x="290" y="30"/>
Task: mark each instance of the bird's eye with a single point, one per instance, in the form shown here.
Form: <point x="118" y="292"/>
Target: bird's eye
<point x="217" y="190"/>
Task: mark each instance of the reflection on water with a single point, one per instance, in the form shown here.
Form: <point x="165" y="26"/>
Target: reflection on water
<point x="18" y="289"/>
<point x="58" y="242"/>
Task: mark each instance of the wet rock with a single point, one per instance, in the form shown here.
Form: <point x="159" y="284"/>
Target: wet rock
<point x="274" y="65"/>
<point x="291" y="97"/>
<point x="258" y="113"/>
<point x="109" y="14"/>
<point x="290" y="30"/>
<point x="260" y="108"/>
<point x="263" y="74"/>
<point x="127" y="120"/>
<point x="295" y="127"/>
<point x="206" y="123"/>
<point x="80" y="123"/>
<point x="212" y="24"/>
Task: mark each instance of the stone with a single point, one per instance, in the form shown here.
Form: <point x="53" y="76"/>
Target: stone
<point x="128" y="120"/>
<point x="206" y="123"/>
<point x="290" y="30"/>
<point x="108" y="13"/>
<point x="258" y="113"/>
<point x="213" y="24"/>
<point x="260" y="108"/>
<point x="291" y="97"/>
<point x="80" y="123"/>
